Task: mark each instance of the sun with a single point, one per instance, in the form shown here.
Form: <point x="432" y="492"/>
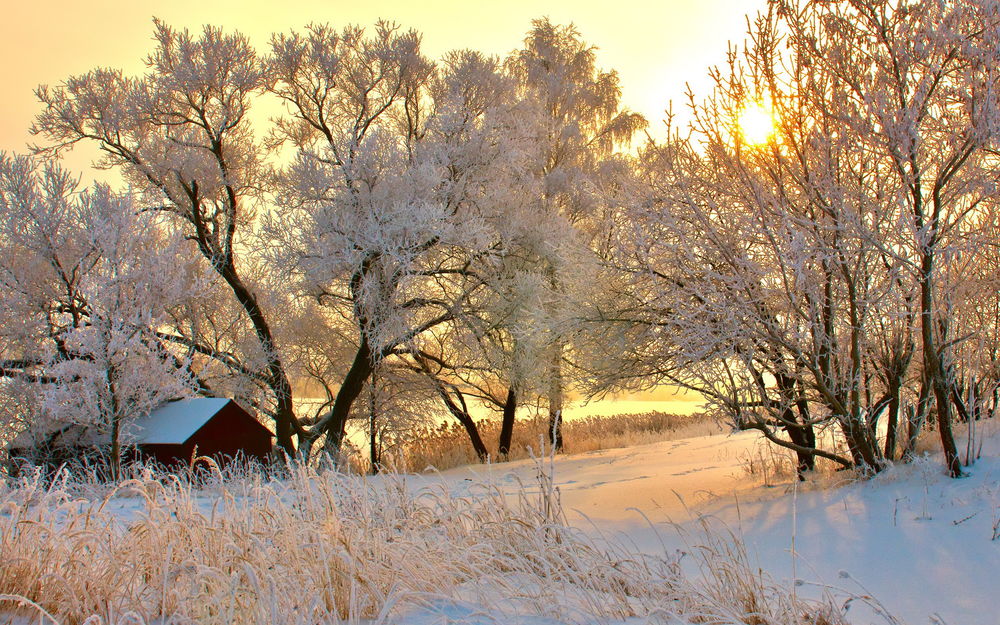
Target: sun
<point x="756" y="123"/>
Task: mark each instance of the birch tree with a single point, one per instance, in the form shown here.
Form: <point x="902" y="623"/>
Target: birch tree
<point x="580" y="122"/>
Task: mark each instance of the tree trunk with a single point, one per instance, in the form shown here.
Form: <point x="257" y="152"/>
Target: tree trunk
<point x="845" y="429"/>
<point x="474" y="437"/>
<point x="556" y="398"/>
<point x="805" y="460"/>
<point x="458" y="410"/>
<point x="892" y="424"/>
<point x="863" y="448"/>
<point x="284" y="414"/>
<point x="373" y="454"/>
<point x="507" y="424"/>
<point x="934" y="364"/>
<point x="335" y="425"/>
<point x="915" y="417"/>
<point x="943" y="403"/>
<point x="555" y="393"/>
<point x="111" y="377"/>
<point x="799" y="433"/>
<point x="461" y="413"/>
<point x="116" y="446"/>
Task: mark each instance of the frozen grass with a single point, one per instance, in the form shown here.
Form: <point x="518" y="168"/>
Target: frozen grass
<point x="322" y="547"/>
<point x="447" y="446"/>
<point x="771" y="465"/>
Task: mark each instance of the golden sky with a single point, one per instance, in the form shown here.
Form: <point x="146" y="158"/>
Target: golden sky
<point x="656" y="47"/>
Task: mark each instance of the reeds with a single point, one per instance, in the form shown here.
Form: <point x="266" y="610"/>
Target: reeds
<point x="317" y="546"/>
<point x="447" y="445"/>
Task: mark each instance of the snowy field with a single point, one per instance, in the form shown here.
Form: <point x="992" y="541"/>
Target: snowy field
<point x="909" y="547"/>
<point x="927" y="547"/>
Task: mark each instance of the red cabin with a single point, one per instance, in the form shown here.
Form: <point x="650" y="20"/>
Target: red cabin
<point x="215" y="427"/>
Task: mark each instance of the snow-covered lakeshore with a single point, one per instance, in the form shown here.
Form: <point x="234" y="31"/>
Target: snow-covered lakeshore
<point x="913" y="542"/>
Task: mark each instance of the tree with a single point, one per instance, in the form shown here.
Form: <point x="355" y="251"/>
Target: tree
<point x="918" y="81"/>
<point x="580" y="122"/>
<point x="403" y="179"/>
<point x="789" y="277"/>
<point x="398" y="402"/>
<point x="397" y="187"/>
<point x="494" y="354"/>
<point x="181" y="134"/>
<point x="86" y="284"/>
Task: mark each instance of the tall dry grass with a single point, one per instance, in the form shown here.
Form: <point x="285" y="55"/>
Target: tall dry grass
<point x="323" y="547"/>
<point x="447" y="445"/>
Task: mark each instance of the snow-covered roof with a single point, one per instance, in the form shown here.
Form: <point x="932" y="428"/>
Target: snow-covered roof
<point x="176" y="421"/>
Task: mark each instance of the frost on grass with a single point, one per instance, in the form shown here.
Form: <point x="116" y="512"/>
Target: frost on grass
<point x="321" y="547"/>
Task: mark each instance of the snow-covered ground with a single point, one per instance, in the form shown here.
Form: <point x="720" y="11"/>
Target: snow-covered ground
<point x="912" y="543"/>
<point x="927" y="547"/>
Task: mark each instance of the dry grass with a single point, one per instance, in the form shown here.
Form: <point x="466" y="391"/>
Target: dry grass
<point x="772" y="465"/>
<point x="447" y="445"/>
<point x="723" y="563"/>
<point x="969" y="437"/>
<point x="768" y="463"/>
<point x="323" y="547"/>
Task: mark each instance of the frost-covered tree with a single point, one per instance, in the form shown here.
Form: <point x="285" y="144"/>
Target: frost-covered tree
<point x="181" y="134"/>
<point x="579" y="122"/>
<point x="399" y="183"/>
<point x="87" y="283"/>
<point x="800" y="279"/>
<point x="919" y="81"/>
<point x="494" y="355"/>
<point x="407" y="183"/>
<point x="972" y="305"/>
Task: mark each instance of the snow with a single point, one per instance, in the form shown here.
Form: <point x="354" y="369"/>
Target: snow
<point x="922" y="544"/>
<point x="915" y="539"/>
<point x="175" y="422"/>
<point x="911" y="543"/>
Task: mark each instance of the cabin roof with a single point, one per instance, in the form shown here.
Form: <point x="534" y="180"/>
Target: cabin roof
<point x="175" y="422"/>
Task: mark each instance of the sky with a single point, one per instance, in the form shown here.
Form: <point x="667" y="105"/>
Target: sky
<point x="656" y="47"/>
